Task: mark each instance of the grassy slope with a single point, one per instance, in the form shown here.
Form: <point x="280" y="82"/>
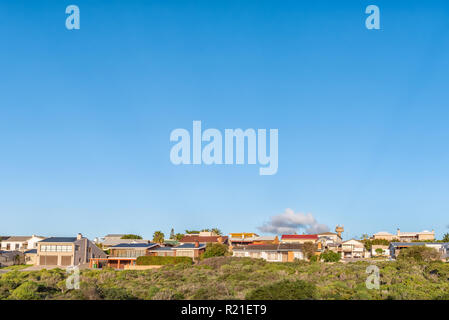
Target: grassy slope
<point x="234" y="278"/>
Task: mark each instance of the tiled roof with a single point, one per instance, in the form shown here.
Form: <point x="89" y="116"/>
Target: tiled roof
<point x="59" y="239"/>
<point x="300" y="236"/>
<point x="114" y="235"/>
<point x="134" y="245"/>
<point x="113" y="242"/>
<point x="193" y="239"/>
<point x="271" y="247"/>
<point x="17" y="238"/>
<point x="189" y="246"/>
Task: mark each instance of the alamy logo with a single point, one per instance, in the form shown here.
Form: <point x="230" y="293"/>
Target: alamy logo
<point x="73" y="280"/>
<point x="373" y="280"/>
<point x="212" y="153"/>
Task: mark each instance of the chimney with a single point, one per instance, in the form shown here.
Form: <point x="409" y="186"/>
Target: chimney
<point x="79" y="236"/>
<point x="197" y="244"/>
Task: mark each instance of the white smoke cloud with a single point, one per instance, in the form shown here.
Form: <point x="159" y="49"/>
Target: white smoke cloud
<point x="291" y="222"/>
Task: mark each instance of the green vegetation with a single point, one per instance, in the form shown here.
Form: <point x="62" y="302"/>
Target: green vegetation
<point x="215" y="250"/>
<point x="238" y="278"/>
<point x="309" y="249"/>
<point x="369" y="243"/>
<point x="284" y="290"/>
<point x="330" y="256"/>
<point x="156" y="260"/>
<point x="16" y="267"/>
<point x="158" y="237"/>
<point x="445" y="238"/>
<point x="419" y="253"/>
<point x="178" y="236"/>
<point x="131" y="236"/>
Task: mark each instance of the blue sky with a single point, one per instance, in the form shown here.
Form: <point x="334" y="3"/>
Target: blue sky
<point x="86" y="115"/>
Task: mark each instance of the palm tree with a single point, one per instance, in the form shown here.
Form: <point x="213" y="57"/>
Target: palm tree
<point x="216" y="231"/>
<point x="158" y="237"/>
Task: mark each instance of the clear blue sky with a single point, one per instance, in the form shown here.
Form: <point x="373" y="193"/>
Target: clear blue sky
<point x="85" y="115"/>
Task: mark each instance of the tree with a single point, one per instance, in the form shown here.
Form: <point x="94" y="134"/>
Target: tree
<point x="309" y="249"/>
<point x="192" y="231"/>
<point x="379" y="251"/>
<point x="205" y="230"/>
<point x="178" y="236"/>
<point x="215" y="250"/>
<point x="131" y="236"/>
<point x="158" y="237"/>
<point x="445" y="238"/>
<point x="216" y="231"/>
<point x="330" y="256"/>
<point x="172" y="234"/>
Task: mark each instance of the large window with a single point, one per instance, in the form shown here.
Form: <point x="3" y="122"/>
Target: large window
<point x="55" y="248"/>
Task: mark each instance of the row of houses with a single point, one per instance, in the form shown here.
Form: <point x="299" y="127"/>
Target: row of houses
<point x="114" y="251"/>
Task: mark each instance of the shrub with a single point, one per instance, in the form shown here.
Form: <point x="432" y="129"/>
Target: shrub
<point x="215" y="250"/>
<point x="419" y="253"/>
<point x="330" y="256"/>
<point x="131" y="236"/>
<point x="379" y="251"/>
<point x="26" y="291"/>
<point x="156" y="260"/>
<point x="284" y="290"/>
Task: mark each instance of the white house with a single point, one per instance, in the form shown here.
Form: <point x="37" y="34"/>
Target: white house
<point x="353" y="249"/>
<point x="20" y="243"/>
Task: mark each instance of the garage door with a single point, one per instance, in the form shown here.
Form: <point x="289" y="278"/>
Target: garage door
<point x="66" y="260"/>
<point x="48" y="260"/>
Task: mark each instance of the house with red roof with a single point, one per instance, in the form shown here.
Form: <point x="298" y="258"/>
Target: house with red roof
<point x="299" y="238"/>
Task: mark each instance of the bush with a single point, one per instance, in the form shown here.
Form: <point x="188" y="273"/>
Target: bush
<point x="419" y="253"/>
<point x="26" y="291"/>
<point x="330" y="256"/>
<point x="156" y="260"/>
<point x="215" y="250"/>
<point x="284" y="290"/>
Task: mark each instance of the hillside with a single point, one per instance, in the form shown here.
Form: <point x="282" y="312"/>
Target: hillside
<point x="237" y="278"/>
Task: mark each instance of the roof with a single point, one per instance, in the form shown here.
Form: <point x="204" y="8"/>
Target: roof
<point x="59" y="239"/>
<point x="300" y="236"/>
<point x="31" y="251"/>
<point x="383" y="233"/>
<point x="272" y="247"/>
<point x="133" y="245"/>
<point x="171" y="242"/>
<point x="162" y="249"/>
<point x="113" y="242"/>
<point x="407" y="244"/>
<point x="17" y="238"/>
<point x="196" y="238"/>
<point x="328" y="234"/>
<point x="114" y="235"/>
<point x="190" y="246"/>
<point x="266" y="238"/>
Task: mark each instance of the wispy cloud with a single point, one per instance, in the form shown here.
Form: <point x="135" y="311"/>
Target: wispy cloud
<point x="291" y="222"/>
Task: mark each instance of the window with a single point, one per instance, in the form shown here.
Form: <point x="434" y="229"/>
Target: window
<point x="17" y="246"/>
